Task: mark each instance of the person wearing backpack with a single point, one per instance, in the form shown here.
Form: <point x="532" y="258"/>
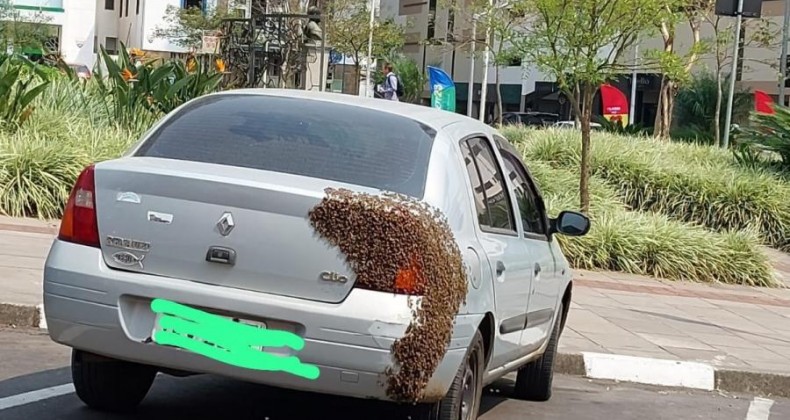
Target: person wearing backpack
<point x="392" y="88"/>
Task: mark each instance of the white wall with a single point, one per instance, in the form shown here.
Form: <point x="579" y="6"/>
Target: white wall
<point x="77" y="32"/>
<point x="106" y="22"/>
<point x="129" y="24"/>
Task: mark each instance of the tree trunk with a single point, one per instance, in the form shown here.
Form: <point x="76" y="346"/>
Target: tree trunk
<point x="357" y="77"/>
<point x="717" y="112"/>
<point x="664" y="109"/>
<point x="660" y="129"/>
<point x="588" y="93"/>
<point x="498" y="97"/>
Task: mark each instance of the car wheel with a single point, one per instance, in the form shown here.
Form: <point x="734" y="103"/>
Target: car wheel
<point x="110" y="385"/>
<point x="534" y="380"/>
<point x="462" y="401"/>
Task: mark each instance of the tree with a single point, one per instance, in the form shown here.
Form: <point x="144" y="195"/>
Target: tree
<point x="184" y="26"/>
<point x="348" y="31"/>
<point x="498" y="24"/>
<point x="723" y="28"/>
<point x="21" y="30"/>
<point x="580" y="43"/>
<point x="676" y="68"/>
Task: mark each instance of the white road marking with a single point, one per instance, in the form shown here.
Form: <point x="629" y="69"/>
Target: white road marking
<point x="37" y="395"/>
<point x="649" y="371"/>
<point x="759" y="409"/>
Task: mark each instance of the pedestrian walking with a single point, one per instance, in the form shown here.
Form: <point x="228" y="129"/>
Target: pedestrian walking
<point x="392" y="88"/>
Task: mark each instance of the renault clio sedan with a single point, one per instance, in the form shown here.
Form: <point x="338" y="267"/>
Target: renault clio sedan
<point x="209" y="211"/>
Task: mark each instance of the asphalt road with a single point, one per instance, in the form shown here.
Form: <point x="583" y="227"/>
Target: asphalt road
<point x="35" y="384"/>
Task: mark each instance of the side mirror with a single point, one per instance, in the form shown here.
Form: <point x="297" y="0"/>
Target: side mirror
<point x="571" y="223"/>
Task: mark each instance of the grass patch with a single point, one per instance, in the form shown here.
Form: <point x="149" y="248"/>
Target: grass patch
<point x="73" y="127"/>
<point x="689" y="183"/>
<point x="650" y="244"/>
<point x="39" y="165"/>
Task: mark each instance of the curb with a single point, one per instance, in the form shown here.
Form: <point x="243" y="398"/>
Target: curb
<point x="620" y="368"/>
<point x="672" y="373"/>
<point x="22" y="315"/>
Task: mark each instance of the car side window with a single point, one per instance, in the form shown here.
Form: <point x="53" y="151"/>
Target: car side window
<point x="492" y="200"/>
<point x="526" y="197"/>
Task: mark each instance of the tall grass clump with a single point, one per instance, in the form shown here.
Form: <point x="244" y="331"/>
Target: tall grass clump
<point x="689" y="183"/>
<point x="36" y="175"/>
<point x="649" y="243"/>
<point x="39" y="165"/>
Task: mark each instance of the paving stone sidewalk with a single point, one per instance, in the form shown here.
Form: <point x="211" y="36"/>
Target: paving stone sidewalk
<point x="726" y="326"/>
<point x="731" y="327"/>
<point x="24" y="245"/>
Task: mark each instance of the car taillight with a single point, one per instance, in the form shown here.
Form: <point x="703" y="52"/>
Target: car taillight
<point x="79" y="224"/>
<point x="409" y="280"/>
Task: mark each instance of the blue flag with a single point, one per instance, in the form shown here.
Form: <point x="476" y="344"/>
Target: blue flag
<point x="442" y="89"/>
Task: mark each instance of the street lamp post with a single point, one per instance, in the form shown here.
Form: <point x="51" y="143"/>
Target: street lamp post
<point x="728" y="116"/>
<point x="634" y="76"/>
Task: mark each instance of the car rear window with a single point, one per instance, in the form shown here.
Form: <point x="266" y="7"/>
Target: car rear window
<point x="342" y="143"/>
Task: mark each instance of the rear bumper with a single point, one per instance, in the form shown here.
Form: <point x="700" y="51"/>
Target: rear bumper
<point x="91" y="307"/>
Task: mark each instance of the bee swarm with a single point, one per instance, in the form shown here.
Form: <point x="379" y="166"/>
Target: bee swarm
<point x="391" y="237"/>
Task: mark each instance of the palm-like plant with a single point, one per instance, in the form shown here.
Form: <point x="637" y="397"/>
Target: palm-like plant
<point x="156" y="86"/>
<point x="18" y="89"/>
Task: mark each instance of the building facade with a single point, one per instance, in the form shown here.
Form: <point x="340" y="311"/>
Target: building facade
<point x="525" y="88"/>
<point x="80" y="27"/>
<point x="71" y="24"/>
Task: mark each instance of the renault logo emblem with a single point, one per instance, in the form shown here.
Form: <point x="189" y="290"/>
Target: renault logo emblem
<point x="225" y="224"/>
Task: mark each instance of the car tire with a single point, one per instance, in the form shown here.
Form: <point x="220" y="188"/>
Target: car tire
<point x="110" y="385"/>
<point x="462" y="401"/>
<point x="534" y="380"/>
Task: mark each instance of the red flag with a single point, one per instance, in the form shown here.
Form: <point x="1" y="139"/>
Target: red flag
<point x="615" y="104"/>
<point x="763" y="103"/>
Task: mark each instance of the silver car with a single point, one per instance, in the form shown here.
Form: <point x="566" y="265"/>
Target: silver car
<point x="209" y="211"/>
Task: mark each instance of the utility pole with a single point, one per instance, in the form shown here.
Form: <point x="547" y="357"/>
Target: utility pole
<point x="370" y="45"/>
<point x="471" y="91"/>
<point x="486" y="61"/>
<point x="783" y="59"/>
<point x="728" y="116"/>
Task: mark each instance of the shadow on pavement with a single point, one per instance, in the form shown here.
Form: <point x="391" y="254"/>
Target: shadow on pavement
<point x="39" y="380"/>
<point x="211" y="397"/>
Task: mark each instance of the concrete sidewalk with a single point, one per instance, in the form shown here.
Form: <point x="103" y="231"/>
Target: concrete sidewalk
<point x="24" y="244"/>
<point x="731" y="329"/>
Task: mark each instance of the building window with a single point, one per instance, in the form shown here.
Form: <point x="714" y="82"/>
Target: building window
<point x="120" y="8"/>
<point x="111" y="45"/>
<point x="127" y="7"/>
<point x="431" y="19"/>
<point x="109" y="4"/>
<point x="138" y="7"/>
<point x="95" y="44"/>
<point x="514" y="62"/>
<point x="189" y="4"/>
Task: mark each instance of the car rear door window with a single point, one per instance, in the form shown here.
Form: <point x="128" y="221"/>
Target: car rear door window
<point x="492" y="199"/>
<point x="525" y="196"/>
<point x="313" y="138"/>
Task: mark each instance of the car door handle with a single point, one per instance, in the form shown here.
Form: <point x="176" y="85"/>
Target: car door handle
<point x="537" y="269"/>
<point x="500" y="268"/>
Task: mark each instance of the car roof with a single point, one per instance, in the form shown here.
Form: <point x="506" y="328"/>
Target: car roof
<point x="431" y="117"/>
